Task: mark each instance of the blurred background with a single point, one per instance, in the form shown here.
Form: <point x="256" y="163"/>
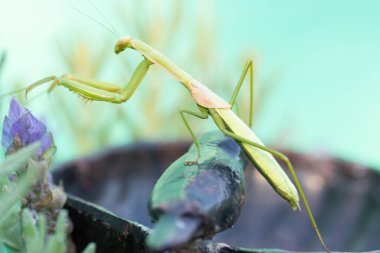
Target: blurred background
<point x="316" y="69"/>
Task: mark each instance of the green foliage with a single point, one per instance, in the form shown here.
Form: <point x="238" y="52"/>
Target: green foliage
<point x="11" y="194"/>
<point x="25" y="233"/>
<point x="16" y="160"/>
<point x="34" y="234"/>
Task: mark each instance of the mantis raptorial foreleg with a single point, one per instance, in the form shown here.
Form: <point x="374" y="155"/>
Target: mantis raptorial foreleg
<point x="81" y="87"/>
<point x="248" y="66"/>
<point x="203" y="114"/>
<point x="284" y="158"/>
<point x="99" y="91"/>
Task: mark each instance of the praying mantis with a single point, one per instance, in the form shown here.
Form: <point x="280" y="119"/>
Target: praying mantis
<point x="209" y="105"/>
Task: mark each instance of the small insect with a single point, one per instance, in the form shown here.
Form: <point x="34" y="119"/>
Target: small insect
<point x="209" y="104"/>
<point x="199" y="200"/>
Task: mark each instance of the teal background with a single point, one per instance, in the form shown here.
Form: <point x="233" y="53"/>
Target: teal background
<point x="320" y="58"/>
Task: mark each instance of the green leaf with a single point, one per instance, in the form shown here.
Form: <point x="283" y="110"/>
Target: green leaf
<point x="30" y="232"/>
<point x="36" y="239"/>
<point x="16" y="160"/>
<point x="13" y="194"/>
<point x="91" y="248"/>
<point x="10" y="229"/>
<point x="56" y="243"/>
<point x="22" y="233"/>
<point x="41" y="232"/>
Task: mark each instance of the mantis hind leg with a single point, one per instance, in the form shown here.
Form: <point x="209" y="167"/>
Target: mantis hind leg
<point x="284" y="158"/>
<point x="203" y="114"/>
<point x="248" y="67"/>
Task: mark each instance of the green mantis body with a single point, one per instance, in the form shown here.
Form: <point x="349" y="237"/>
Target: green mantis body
<point x="209" y="104"/>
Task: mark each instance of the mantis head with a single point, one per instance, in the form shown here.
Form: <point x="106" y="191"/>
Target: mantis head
<point x="122" y="44"/>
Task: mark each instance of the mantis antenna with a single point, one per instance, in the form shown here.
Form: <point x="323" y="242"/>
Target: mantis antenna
<point x="105" y="18"/>
<point x="111" y="29"/>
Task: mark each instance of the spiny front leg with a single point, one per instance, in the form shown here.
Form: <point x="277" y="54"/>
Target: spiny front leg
<point x="32" y="86"/>
<point x="86" y="89"/>
<point x="99" y="91"/>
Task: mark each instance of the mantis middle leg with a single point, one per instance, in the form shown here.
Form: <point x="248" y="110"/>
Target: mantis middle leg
<point x="203" y="114"/>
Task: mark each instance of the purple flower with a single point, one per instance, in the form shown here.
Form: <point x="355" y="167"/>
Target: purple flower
<point x="22" y="128"/>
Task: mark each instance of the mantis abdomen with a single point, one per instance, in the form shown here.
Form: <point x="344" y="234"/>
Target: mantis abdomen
<point x="263" y="160"/>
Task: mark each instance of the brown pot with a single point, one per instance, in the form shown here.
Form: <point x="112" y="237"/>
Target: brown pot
<point x="344" y="197"/>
